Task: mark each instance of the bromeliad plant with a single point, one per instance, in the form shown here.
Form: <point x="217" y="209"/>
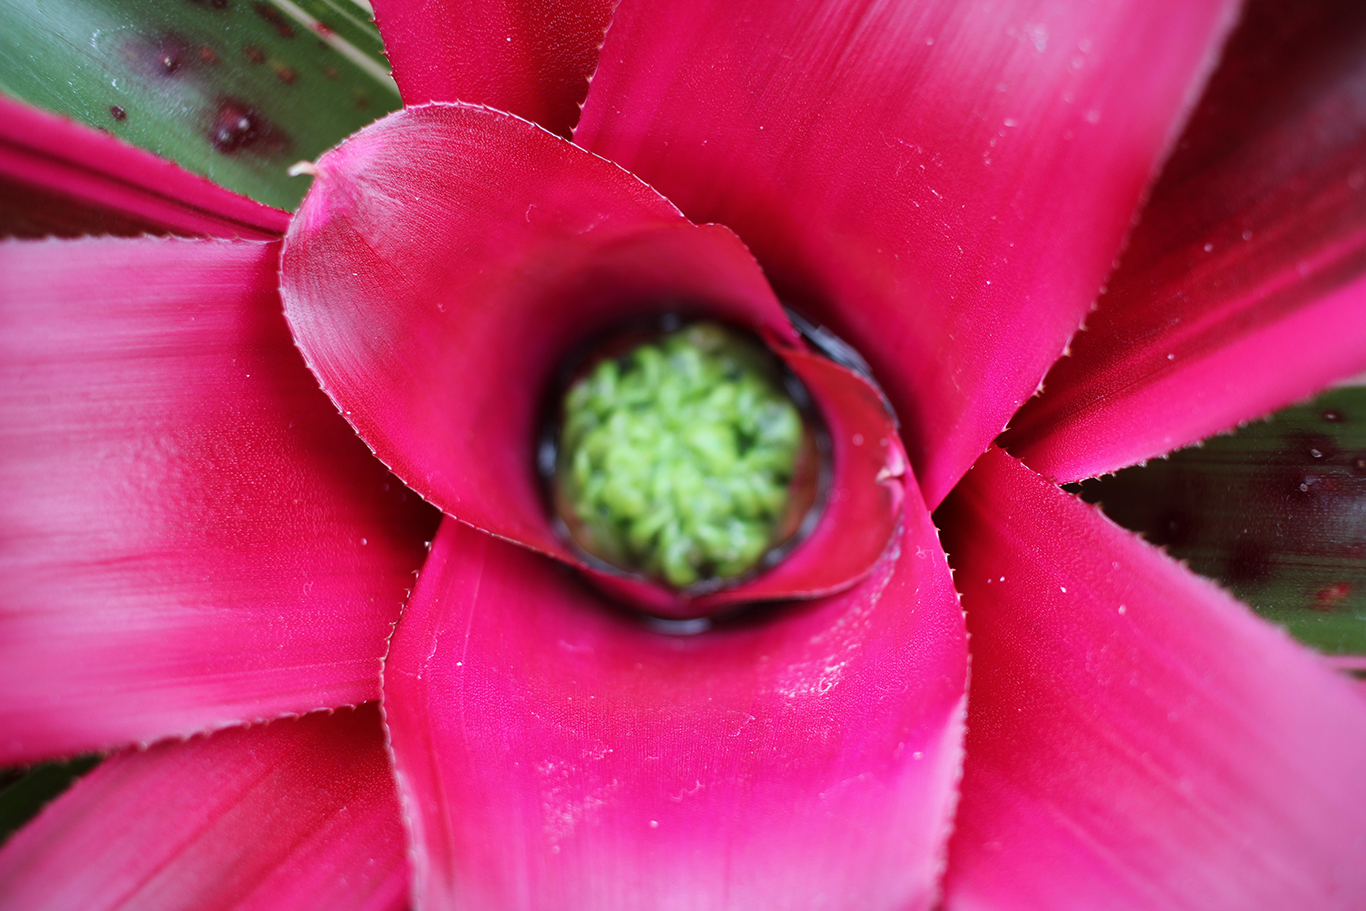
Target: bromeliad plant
<point x="194" y="540"/>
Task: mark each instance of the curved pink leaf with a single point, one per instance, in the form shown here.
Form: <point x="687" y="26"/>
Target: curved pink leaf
<point x="1245" y="287"/>
<point x="447" y="262"/>
<point x="59" y="177"/>
<point x="944" y="184"/>
<point x="1136" y="738"/>
<point x="190" y="536"/>
<point x="300" y="813"/>
<point x="532" y="59"/>
<point x="553" y="752"/>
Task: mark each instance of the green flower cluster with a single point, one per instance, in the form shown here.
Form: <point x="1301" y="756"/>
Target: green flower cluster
<point x="676" y="458"/>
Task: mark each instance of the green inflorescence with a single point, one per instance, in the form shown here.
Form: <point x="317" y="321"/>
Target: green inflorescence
<point x="676" y="458"/>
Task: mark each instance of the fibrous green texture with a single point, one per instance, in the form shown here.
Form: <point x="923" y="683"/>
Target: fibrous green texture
<point x="675" y="459"/>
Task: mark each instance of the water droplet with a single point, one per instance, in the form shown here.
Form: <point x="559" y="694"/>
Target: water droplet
<point x="237" y="126"/>
<point x="234" y="128"/>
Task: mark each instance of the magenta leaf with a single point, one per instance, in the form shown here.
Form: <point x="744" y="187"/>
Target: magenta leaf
<point x="552" y="752"/>
<point x="1136" y="738"/>
<point x="943" y="184"/>
<point x="300" y="813"/>
<point x="450" y="259"/>
<point x="190" y="536"/>
<point x="1245" y="287"/>
<point x="56" y="176"/>
<point x="532" y="59"/>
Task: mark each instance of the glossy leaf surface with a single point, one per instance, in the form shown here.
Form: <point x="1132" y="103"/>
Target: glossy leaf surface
<point x="1137" y="738"/>
<point x="1276" y="512"/>
<point x="1244" y="289"/>
<point x="300" y="813"/>
<point x="944" y="185"/>
<point x="235" y="90"/>
<point x="190" y="537"/>
<point x="552" y="752"/>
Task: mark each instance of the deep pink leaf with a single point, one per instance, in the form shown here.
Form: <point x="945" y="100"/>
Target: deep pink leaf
<point x="81" y="177"/>
<point x="1136" y="738"/>
<point x="532" y="59"/>
<point x="943" y="184"/>
<point x="190" y="536"/>
<point x="447" y="262"/>
<point x="553" y="752"/>
<point x="1245" y="287"/>
<point x="300" y="813"/>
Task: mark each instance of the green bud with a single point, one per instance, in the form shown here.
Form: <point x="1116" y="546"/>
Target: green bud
<point x="676" y="458"/>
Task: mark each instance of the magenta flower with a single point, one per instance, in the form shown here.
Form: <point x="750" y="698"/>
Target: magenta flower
<point x="194" y="541"/>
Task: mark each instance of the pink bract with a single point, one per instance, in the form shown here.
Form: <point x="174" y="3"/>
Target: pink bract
<point x="946" y="186"/>
<point x="448" y="262"/>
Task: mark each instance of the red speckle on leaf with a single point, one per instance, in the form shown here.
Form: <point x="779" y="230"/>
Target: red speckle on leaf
<point x="117" y="112"/>
<point x="275" y="18"/>
<point x="253" y="54"/>
<point x="1330" y="596"/>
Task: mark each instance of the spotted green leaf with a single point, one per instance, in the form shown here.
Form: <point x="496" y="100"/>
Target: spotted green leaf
<point x="1275" y="512"/>
<point x="236" y="90"/>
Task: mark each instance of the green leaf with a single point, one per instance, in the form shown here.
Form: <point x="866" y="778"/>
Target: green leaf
<point x="25" y="791"/>
<point x="1275" y="512"/>
<point x="236" y="90"/>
